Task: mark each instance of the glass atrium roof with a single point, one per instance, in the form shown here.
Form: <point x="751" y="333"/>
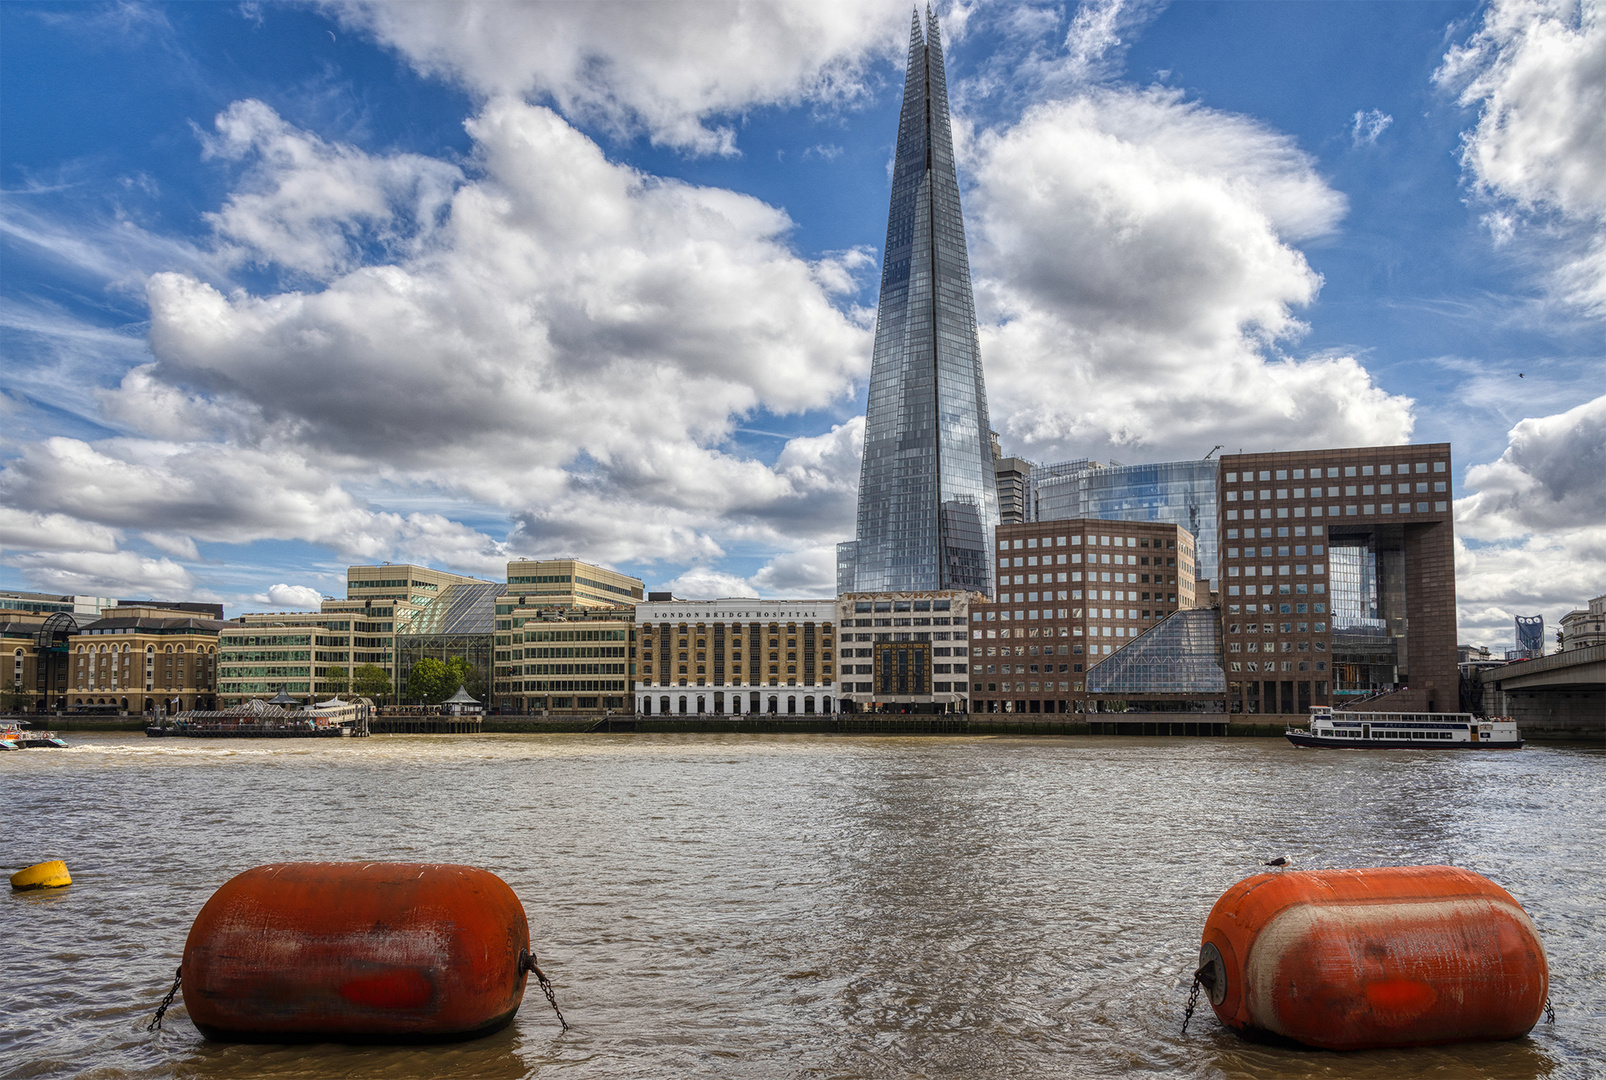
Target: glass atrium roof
<point x="1181" y="655"/>
<point x="459" y="609"/>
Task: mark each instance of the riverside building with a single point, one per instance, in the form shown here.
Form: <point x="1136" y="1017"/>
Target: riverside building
<point x="1070" y="594"/>
<point x="143" y="660"/>
<point x="1338" y="579"/>
<point x="381" y="602"/>
<point x="261" y="653"/>
<point x="927" y="496"/>
<point x="1179" y="492"/>
<point x="736" y="656"/>
<point x="557" y="661"/>
<point x="904" y="652"/>
<point x="565" y="638"/>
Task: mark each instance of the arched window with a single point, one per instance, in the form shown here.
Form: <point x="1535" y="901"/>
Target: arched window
<point x="663" y="705"/>
<point x="791" y="705"/>
<point x="683" y="706"/>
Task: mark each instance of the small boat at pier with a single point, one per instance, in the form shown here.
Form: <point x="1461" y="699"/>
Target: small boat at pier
<point x="1348" y="730"/>
<point x="15" y="736"/>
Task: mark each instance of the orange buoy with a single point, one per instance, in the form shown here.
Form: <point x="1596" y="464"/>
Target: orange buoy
<point x="357" y="952"/>
<point x="1359" y="959"/>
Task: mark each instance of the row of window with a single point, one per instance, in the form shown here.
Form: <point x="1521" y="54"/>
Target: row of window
<point x="1075" y="559"/>
<point x="1402" y="469"/>
<point x="201" y="650"/>
<point x="1277" y="609"/>
<point x="1349" y="490"/>
<point x="1075" y="541"/>
<point x="1368" y="509"/>
<point x="1250" y="628"/>
<point x="1297" y="589"/>
<point x="1032" y="688"/>
<point x="896" y="622"/>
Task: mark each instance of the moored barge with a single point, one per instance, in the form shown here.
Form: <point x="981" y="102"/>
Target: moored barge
<point x="257" y="719"/>
<point x="1405" y="731"/>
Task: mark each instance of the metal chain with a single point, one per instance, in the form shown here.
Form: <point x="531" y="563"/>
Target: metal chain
<point x="546" y="987"/>
<point x="1550" y="1014"/>
<point x="1193" y="1001"/>
<point x="156" y="1023"/>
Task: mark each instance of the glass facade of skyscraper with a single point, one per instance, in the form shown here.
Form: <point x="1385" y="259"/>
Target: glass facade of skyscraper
<point x="927" y="500"/>
<point x="1176" y="492"/>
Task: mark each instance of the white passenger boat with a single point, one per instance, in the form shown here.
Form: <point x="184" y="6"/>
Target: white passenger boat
<point x="1408" y="731"/>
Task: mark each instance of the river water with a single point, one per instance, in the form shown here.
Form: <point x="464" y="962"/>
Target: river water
<point x="787" y="906"/>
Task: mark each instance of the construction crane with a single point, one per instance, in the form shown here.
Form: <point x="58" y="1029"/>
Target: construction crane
<point x="1213" y="449"/>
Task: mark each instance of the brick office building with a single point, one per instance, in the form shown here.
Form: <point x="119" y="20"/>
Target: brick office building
<point x="1070" y="593"/>
<point x="1338" y="579"/>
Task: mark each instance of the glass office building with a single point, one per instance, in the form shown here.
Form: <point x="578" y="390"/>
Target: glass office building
<point x="460" y="622"/>
<point x="1175" y="492"/>
<point x="927" y="500"/>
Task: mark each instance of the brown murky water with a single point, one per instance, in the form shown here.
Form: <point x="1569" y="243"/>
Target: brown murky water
<point x="787" y="906"/>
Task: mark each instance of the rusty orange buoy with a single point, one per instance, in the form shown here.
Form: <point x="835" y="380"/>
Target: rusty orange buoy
<point x="1360" y="959"/>
<point x="357" y="952"/>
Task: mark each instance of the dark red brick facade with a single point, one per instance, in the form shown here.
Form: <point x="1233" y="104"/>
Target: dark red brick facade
<point x="1280" y="517"/>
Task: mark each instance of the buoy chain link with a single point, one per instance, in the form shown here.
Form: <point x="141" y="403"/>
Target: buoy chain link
<point x="545" y="983"/>
<point x="1550" y="1013"/>
<point x="1193" y="999"/>
<point x="161" y="1010"/>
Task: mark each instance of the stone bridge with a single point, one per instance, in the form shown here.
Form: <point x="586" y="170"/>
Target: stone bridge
<point x="1560" y="696"/>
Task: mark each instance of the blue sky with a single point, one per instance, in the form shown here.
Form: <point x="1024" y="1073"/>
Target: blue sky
<point x="290" y="287"/>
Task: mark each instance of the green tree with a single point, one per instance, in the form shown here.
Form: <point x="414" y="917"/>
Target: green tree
<point x="370" y="681"/>
<point x="460" y="672"/>
<point x="14" y="699"/>
<point x="336" y="680"/>
<point x="426" y="683"/>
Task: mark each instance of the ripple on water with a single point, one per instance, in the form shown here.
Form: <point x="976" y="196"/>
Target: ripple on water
<point x="786" y="905"/>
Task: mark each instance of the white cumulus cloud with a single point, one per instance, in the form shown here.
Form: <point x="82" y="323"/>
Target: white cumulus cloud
<point x="671" y="71"/>
<point x="1536" y="72"/>
<point x="555" y="339"/>
<point x="1136" y="270"/>
<point x="296" y="597"/>
<point x="1532" y="534"/>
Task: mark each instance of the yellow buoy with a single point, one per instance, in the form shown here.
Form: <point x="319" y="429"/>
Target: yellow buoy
<point x="46" y="875"/>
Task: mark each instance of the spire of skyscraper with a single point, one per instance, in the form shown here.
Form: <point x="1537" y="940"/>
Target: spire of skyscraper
<point x="927" y="500"/>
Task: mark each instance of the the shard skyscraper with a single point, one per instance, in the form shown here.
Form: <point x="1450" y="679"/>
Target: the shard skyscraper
<point x="927" y="497"/>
